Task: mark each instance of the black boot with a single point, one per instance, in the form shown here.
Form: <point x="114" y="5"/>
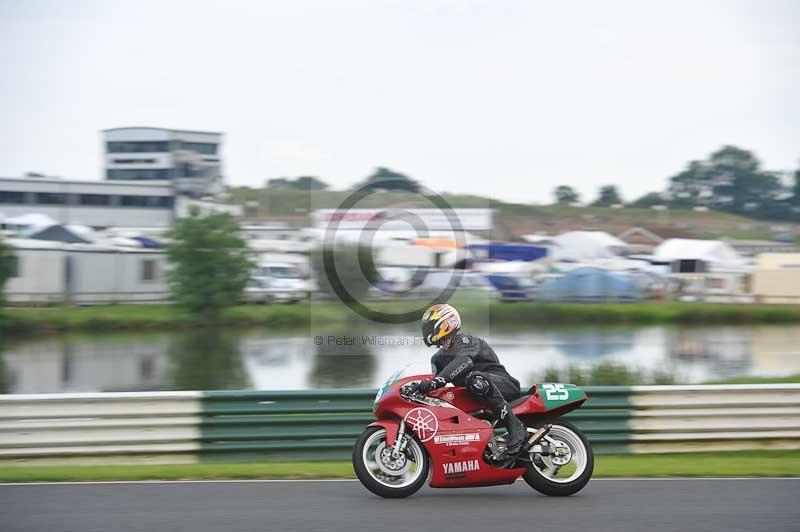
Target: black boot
<point x="517" y="432"/>
<point x="482" y="388"/>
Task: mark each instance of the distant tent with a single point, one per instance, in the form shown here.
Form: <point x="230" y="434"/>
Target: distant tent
<point x="58" y="233"/>
<point x="588" y="285"/>
<point x="588" y="245"/>
<point x="147" y="242"/>
<point x="83" y="231"/>
<point x="30" y="222"/>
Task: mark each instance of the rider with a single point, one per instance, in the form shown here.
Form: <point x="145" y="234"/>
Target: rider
<point x="466" y="360"/>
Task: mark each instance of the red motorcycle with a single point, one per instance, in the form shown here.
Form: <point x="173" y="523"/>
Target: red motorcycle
<point x="451" y="438"/>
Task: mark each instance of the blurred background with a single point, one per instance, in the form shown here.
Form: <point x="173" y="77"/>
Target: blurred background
<point x="610" y="193"/>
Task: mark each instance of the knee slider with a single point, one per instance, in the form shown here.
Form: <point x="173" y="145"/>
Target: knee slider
<point x="477" y="384"/>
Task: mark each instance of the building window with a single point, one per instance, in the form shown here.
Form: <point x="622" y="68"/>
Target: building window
<point x="206" y="148"/>
<point x="192" y="170"/>
<point x="12" y="197"/>
<point x="746" y="284"/>
<point x="133" y="161"/>
<point x="95" y="199"/>
<point x="147" y="201"/>
<point x="149" y="270"/>
<point x="51" y="198"/>
<point x="139" y="174"/>
<point x="15" y="266"/>
<point x="134" y="201"/>
<point x="138" y="147"/>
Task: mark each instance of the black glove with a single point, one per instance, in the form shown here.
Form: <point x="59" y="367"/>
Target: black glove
<point x="425" y="387"/>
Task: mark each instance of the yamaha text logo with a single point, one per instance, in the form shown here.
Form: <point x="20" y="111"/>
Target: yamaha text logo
<point x="460" y="469"/>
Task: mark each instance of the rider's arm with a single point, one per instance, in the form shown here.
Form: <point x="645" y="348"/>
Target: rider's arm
<point x="436" y="363"/>
<point x="460" y="366"/>
<point x="462" y="363"/>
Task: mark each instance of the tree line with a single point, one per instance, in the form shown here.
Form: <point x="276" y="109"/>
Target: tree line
<point x="730" y="179"/>
<point x="382" y="178"/>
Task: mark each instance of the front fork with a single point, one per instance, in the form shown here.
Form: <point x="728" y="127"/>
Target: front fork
<point x="401" y="441"/>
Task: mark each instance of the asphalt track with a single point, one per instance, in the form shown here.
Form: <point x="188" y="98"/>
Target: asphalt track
<point x="604" y="505"/>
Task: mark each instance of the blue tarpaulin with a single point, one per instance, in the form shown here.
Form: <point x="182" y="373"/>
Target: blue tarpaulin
<point x="148" y="243"/>
<point x="507" y="252"/>
<point x="590" y="284"/>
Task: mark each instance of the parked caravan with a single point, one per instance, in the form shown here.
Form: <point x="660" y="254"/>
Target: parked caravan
<point x="55" y="272"/>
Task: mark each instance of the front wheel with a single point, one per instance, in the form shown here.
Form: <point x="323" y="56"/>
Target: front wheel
<point x="385" y="474"/>
<point x="567" y="467"/>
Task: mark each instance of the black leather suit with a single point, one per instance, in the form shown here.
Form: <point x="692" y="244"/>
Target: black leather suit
<point x="471" y="362"/>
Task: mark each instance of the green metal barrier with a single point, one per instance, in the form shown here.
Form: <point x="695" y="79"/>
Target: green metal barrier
<point x="324" y="424"/>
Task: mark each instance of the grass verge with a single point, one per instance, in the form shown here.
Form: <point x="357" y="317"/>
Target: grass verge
<point x="29" y="321"/>
<point x="721" y="464"/>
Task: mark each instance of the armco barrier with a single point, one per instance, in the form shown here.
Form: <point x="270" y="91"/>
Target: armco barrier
<point x="323" y="424"/>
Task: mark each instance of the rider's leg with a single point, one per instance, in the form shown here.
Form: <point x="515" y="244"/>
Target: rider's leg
<point x="481" y="385"/>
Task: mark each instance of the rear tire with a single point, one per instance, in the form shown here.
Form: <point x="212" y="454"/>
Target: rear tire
<point x="539" y="481"/>
<point x="375" y="480"/>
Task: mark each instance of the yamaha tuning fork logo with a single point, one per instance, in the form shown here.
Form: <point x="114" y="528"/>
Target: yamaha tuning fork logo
<point x="423" y="422"/>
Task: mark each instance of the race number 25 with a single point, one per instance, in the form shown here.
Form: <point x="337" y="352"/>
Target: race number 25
<point x="555" y="392"/>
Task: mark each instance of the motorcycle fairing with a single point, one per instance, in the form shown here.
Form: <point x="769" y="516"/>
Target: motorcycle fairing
<point x="454" y="439"/>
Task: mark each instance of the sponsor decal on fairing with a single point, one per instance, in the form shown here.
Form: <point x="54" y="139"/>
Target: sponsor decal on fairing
<point x="456" y="439"/>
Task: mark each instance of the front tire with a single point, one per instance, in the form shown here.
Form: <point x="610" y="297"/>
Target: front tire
<point x="389" y="478"/>
<point x="567" y="474"/>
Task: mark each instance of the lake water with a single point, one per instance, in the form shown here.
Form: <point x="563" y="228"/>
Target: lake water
<point x="260" y="359"/>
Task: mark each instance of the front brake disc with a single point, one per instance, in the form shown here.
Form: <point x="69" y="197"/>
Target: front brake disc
<point x="394" y="467"/>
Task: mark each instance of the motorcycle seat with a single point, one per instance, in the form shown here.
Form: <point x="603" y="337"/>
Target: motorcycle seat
<point x="521" y="399"/>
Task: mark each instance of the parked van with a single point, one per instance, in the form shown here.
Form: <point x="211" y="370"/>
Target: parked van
<point x="278" y="282"/>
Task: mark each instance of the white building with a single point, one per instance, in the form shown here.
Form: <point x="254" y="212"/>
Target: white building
<point x="54" y="272"/>
<point x="706" y="270"/>
<point x="776" y="278"/>
<point x="278" y="237"/>
<point x="691" y="255"/>
<point x="191" y="160"/>
<point x="96" y="204"/>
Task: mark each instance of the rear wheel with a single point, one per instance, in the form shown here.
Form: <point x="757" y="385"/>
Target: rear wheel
<point x="386" y="474"/>
<point x="567" y="467"/>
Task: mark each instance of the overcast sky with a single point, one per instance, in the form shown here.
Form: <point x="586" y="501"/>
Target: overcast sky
<point x="500" y="98"/>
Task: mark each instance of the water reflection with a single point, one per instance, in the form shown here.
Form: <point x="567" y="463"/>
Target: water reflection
<point x="207" y="359"/>
<point x="6" y="384"/>
<point x="593" y="342"/>
<point x="259" y="359"/>
<point x="338" y="366"/>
